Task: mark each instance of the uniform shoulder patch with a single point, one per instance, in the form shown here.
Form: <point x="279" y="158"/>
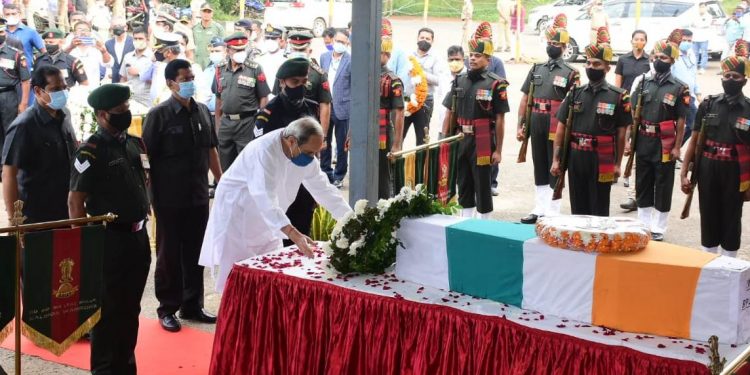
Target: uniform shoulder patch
<point x="617" y="89"/>
<point x="316" y="67"/>
<point x="251" y="64"/>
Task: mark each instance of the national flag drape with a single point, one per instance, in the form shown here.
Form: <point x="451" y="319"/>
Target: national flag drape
<point x="62" y="279"/>
<point x="7" y="284"/>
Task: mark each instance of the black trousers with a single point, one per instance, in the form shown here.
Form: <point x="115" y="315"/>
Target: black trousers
<point x="178" y="280"/>
<point x="541" y="149"/>
<point x="300" y="213"/>
<point x="127" y="259"/>
<point x="588" y="196"/>
<point x="720" y="202"/>
<point x="233" y="136"/>
<point x="421" y="120"/>
<point x="8" y="111"/>
<point x="654" y="182"/>
<point x="473" y="180"/>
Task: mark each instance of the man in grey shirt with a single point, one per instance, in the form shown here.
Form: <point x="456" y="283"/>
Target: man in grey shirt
<point x="431" y="66"/>
<point x="134" y="66"/>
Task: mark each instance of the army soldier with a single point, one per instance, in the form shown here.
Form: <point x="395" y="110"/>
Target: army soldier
<point x="71" y="67"/>
<point x="13" y="70"/>
<point x="241" y="88"/>
<point x="665" y="105"/>
<point x="109" y="175"/>
<point x="391" y="100"/>
<point x="724" y="177"/>
<point x="552" y="81"/>
<point x="316" y="88"/>
<point x="481" y="101"/>
<point x="601" y="114"/>
<point x="291" y="104"/>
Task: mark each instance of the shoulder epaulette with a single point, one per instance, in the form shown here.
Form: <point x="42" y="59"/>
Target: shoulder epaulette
<point x="222" y="63"/>
<point x="251" y="64"/>
<point x="316" y="67"/>
<point x="567" y="65"/>
<point x="618" y="90"/>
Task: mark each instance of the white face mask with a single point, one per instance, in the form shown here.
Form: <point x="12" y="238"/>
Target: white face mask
<point x="239" y="57"/>
<point x="216" y="57"/>
<point x="140" y="45"/>
<point x="296" y="55"/>
<point x="13" y="20"/>
<point x="271" y="45"/>
<point x="339" y="47"/>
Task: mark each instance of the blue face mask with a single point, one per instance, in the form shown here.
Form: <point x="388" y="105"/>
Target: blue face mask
<point x="302" y="159"/>
<point x="187" y="89"/>
<point x="686" y="46"/>
<point x="58" y="99"/>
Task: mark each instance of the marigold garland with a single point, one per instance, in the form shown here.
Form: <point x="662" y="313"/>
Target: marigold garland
<point x="419" y="80"/>
<point x="600" y="235"/>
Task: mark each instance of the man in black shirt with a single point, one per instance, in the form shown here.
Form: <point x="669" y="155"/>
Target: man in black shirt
<point x="633" y="63"/>
<point x="38" y="151"/>
<point x="181" y="141"/>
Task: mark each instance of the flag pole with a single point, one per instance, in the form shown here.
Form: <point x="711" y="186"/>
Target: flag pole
<point x="395" y="155"/>
<point x="60" y="223"/>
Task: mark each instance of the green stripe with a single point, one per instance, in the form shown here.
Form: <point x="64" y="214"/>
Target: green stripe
<point x="92" y="255"/>
<point x="398" y="175"/>
<point x="37" y="280"/>
<point x="492" y="265"/>
<point x="419" y="167"/>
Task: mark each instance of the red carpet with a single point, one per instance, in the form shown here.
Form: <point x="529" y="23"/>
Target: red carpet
<point x="158" y="351"/>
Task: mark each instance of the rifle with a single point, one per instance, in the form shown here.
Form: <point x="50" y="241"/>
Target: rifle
<point x="634" y="129"/>
<point x="527" y="121"/>
<point x="453" y="123"/>
<point x="560" y="184"/>
<point x="694" y="165"/>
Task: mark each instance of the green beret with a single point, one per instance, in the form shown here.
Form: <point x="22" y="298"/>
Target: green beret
<point x="109" y="96"/>
<point x="53" y="34"/>
<point x="296" y="67"/>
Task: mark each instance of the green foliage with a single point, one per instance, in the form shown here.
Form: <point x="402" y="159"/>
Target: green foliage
<point x="484" y="10"/>
<point x="322" y="224"/>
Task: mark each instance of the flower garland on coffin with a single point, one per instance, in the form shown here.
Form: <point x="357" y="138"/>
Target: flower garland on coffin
<point x="365" y="240"/>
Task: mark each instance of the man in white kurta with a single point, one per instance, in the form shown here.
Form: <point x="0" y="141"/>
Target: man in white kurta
<point x="248" y="215"/>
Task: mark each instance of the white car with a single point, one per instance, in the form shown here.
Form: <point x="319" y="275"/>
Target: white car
<point x="658" y="19"/>
<point x="541" y="17"/>
<point x="308" y="14"/>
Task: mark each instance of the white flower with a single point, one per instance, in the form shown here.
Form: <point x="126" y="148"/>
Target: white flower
<point x="416" y="80"/>
<point x="359" y="207"/>
<point x="342" y="243"/>
<point x="327" y="249"/>
<point x="405" y="190"/>
<point x="356" y="245"/>
<point x="418" y="188"/>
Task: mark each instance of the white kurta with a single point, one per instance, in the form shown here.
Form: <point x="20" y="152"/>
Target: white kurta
<point x="251" y="202"/>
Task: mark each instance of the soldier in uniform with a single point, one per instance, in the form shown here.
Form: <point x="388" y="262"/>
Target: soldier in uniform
<point x="724" y="177"/>
<point x="391" y="100"/>
<point x="316" y="88"/>
<point x="13" y="70"/>
<point x="481" y="101"/>
<point x="665" y="105"/>
<point x="109" y="175"/>
<point x="601" y="114"/>
<point x="71" y="67"/>
<point x="289" y="105"/>
<point x="552" y="81"/>
<point x="241" y="88"/>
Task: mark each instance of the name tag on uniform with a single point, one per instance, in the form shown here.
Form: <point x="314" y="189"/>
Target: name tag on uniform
<point x="144" y="162"/>
<point x="484" y="95"/>
<point x="7" y="63"/>
<point x="605" y="109"/>
<point x="742" y="124"/>
<point x="577" y="106"/>
<point x="64" y="73"/>
<point x="560" y="81"/>
<point x="669" y="99"/>
<point x="246" y="81"/>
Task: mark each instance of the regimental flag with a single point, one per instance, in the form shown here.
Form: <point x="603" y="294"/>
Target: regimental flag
<point x="7" y="284"/>
<point x="398" y="174"/>
<point x="433" y="170"/>
<point x="419" y="166"/>
<point x="409" y="169"/>
<point x="62" y="280"/>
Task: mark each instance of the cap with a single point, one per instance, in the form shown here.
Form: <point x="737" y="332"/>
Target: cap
<point x="737" y="64"/>
<point x="216" y="42"/>
<point x="386" y="28"/>
<point x="243" y="23"/>
<point x="237" y="40"/>
<point x="599" y="51"/>
<point x="602" y="35"/>
<point x="274" y="32"/>
<point x="557" y="34"/>
<point x="675" y="36"/>
<point x="297" y="67"/>
<point x="108" y="96"/>
<point x="163" y="40"/>
<point x="166" y="17"/>
<point x="299" y="39"/>
<point x="740" y="48"/>
<point x="561" y="20"/>
<point x="670" y="49"/>
<point x="386" y="44"/>
<point x="53" y="34"/>
<point x="482" y="40"/>
<point x="185" y="18"/>
<point x="206" y="6"/>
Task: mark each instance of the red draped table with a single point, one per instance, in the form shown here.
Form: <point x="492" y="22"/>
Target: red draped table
<point x="282" y="313"/>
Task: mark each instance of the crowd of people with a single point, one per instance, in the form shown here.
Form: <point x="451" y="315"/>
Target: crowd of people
<point x="217" y="101"/>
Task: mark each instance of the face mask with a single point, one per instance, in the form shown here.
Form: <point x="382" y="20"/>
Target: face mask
<point x="295" y="94"/>
<point x="339" y="47"/>
<point x="118" y="31"/>
<point x="661" y="67"/>
<point x="685" y="46"/>
<point x="187" y="89"/>
<point x="639" y="45"/>
<point x="297" y="55"/>
<point x="239" y="57"/>
<point x="732" y="87"/>
<point x="159" y="56"/>
<point x="12" y="20"/>
<point x="456" y="66"/>
<point x="595" y="75"/>
<point x="554" y="52"/>
<point x="120" y="121"/>
<point x="424" y="45"/>
<point x="140" y="45"/>
<point x="738" y="14"/>
<point x="216" y="57"/>
<point x="52" y="48"/>
<point x="329" y="47"/>
<point x="58" y="99"/>
<point x="302" y="159"/>
<point x="271" y="45"/>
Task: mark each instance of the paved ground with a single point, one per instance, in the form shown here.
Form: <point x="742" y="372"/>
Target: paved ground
<point x="516" y="180"/>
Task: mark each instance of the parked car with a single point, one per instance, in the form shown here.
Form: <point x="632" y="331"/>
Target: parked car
<point x="658" y="19"/>
<point x="308" y="14"/>
<point x="541" y="17"/>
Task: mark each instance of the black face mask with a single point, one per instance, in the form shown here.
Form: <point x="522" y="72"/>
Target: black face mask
<point x="661" y="67"/>
<point x="554" y="52"/>
<point x="293" y="94"/>
<point x="159" y="56"/>
<point x="118" y="31"/>
<point x="424" y="45"/>
<point x="595" y="75"/>
<point x="732" y="87"/>
<point x="120" y="121"/>
<point x="52" y="48"/>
